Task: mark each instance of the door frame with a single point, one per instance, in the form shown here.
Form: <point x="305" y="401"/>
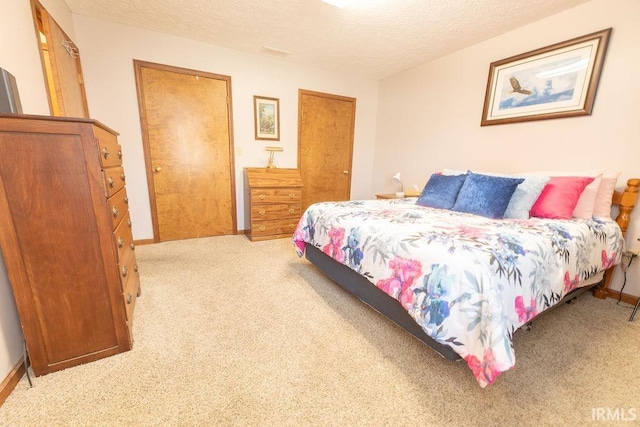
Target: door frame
<point x="138" y="65"/>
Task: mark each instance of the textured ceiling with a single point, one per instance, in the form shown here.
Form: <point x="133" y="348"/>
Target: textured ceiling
<point x="371" y="38"/>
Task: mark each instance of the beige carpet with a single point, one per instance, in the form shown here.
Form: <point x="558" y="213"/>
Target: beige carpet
<point x="230" y="332"/>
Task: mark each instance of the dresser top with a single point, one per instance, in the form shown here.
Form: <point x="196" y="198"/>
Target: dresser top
<point x="273" y="177"/>
<point x="57" y="119"/>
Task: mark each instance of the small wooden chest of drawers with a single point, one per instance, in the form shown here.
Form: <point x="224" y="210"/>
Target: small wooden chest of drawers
<point x="66" y="238"/>
<point x="274" y="200"/>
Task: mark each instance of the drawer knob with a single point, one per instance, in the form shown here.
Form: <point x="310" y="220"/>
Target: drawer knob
<point x="262" y="196"/>
<point x="115" y="212"/>
<point x="158" y="169"/>
<point x="120" y="154"/>
<point x="129" y="223"/>
<point x="122" y="177"/>
<point x="125" y="271"/>
<point x="291" y="210"/>
<point x="129" y="298"/>
<point x="262" y="228"/>
<point x="291" y="195"/>
<point x="262" y="211"/>
<point x="126" y="199"/>
<point x="135" y="268"/>
<point x="112" y="183"/>
<point x="133" y="247"/>
<point x="105" y="152"/>
<point x="291" y="226"/>
<point x="120" y="242"/>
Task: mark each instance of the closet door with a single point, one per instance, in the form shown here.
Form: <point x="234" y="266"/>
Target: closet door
<point x="186" y="124"/>
<point x="325" y="146"/>
<point x="61" y="65"/>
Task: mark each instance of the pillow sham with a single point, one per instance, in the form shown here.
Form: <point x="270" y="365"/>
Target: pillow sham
<point x="441" y="191"/>
<point x="586" y="202"/>
<point x="560" y="197"/>
<point x="602" y="207"/>
<point x="523" y="198"/>
<point x="485" y="195"/>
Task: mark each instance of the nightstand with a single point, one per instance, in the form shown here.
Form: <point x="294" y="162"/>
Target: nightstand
<point x="394" y="196"/>
<point x="387" y="196"/>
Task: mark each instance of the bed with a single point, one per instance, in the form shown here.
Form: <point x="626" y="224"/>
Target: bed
<point x="462" y="283"/>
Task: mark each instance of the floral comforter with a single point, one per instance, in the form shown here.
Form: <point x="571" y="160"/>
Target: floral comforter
<point x="468" y="281"/>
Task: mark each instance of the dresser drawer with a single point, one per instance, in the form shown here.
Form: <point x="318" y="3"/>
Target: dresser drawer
<point x="130" y="294"/>
<point x="128" y="266"/>
<point x="110" y="150"/>
<point x="123" y="238"/>
<point x="275" y="195"/>
<point x="275" y="211"/>
<point x="114" y="179"/>
<point x="118" y="206"/>
<point x="271" y="228"/>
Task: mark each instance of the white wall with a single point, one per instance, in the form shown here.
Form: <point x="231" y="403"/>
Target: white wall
<point x="107" y="52"/>
<point x="433" y="112"/>
<point x="19" y="55"/>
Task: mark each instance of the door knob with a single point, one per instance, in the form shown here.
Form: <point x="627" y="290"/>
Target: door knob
<point x="158" y="169"/>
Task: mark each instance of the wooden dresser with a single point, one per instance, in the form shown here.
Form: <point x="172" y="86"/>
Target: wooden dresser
<point x="273" y="197"/>
<point x="65" y="234"/>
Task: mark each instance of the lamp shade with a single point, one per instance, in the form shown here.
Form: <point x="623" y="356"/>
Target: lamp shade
<point x="396" y="178"/>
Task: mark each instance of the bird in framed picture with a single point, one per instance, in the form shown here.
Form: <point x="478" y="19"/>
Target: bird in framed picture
<point x="515" y="84"/>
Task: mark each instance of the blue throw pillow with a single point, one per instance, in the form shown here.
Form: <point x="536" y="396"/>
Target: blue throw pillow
<point x="486" y="195"/>
<point x="441" y="191"/>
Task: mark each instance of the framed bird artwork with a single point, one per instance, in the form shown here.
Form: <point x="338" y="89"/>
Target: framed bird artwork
<point x="547" y="83"/>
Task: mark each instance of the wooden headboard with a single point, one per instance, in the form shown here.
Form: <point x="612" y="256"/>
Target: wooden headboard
<point x="626" y="201"/>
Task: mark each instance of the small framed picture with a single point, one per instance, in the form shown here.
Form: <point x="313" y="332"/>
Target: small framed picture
<point x="266" y="118"/>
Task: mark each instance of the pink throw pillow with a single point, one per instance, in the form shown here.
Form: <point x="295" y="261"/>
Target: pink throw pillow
<point x="602" y="207"/>
<point x="560" y="197"/>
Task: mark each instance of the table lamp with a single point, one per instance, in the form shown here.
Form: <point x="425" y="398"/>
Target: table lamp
<point x="271" y="151"/>
<point x="396" y="178"/>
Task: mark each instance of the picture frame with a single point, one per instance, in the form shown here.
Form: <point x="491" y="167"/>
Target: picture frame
<point x="547" y="83"/>
<point x="266" y="113"/>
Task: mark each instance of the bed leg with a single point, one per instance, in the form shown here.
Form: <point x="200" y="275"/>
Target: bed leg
<point x="602" y="292"/>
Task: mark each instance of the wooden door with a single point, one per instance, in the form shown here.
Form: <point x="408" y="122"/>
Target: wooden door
<point x="186" y="124"/>
<point x="61" y="65"/>
<point x="325" y="146"/>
